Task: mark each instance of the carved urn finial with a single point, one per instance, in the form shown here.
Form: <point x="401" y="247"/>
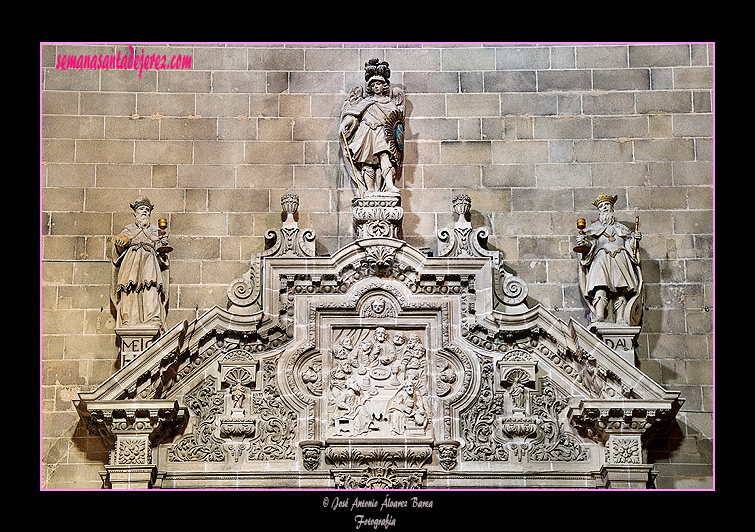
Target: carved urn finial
<point x="462" y="204"/>
<point x="290" y="204"/>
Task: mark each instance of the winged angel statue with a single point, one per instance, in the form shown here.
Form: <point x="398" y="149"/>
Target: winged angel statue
<point x="372" y="131"/>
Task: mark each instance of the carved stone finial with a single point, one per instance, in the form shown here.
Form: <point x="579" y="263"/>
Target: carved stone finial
<point x="462" y="204"/>
<point x="290" y="204"/>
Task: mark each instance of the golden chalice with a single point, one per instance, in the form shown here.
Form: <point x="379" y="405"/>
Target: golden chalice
<point x="582" y="245"/>
<point x="162" y="223"/>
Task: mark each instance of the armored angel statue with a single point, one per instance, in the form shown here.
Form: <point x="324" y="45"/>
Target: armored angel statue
<point x="372" y="131"/>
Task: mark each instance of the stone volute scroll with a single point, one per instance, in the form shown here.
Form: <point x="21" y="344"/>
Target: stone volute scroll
<point x="140" y="280"/>
<point x="288" y="241"/>
<point x="465" y="241"/>
<point x="610" y="277"/>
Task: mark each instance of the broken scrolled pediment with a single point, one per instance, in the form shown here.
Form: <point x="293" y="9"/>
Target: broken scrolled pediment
<point x="378" y="366"/>
<point x="383" y="366"/>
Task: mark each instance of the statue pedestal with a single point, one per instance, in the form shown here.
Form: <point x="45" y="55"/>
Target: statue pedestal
<point x="620" y="338"/>
<point x="378" y="215"/>
<point x="132" y="341"/>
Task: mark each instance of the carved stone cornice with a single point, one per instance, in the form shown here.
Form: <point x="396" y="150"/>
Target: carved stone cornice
<point x="601" y="419"/>
<point x="156" y="419"/>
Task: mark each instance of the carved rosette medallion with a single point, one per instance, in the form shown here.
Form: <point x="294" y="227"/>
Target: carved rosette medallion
<point x="624" y="450"/>
<point x="136" y="450"/>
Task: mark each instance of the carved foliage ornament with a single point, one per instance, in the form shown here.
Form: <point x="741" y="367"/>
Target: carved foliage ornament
<point x="379" y="478"/>
<point x="270" y="438"/>
<point x="498" y="422"/>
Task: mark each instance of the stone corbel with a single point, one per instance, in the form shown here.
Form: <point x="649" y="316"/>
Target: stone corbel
<point x="132" y="429"/>
<point x="448" y="452"/>
<point x="379" y="463"/>
<point x="377" y="215"/>
<point x="311" y="453"/>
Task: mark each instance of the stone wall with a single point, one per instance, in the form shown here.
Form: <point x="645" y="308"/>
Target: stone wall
<point x="532" y="133"/>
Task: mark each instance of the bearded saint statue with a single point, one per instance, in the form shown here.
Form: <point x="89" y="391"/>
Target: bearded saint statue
<point x="139" y="287"/>
<point x="610" y="275"/>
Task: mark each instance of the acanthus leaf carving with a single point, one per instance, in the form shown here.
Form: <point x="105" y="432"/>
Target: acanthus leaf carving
<point x="267" y="431"/>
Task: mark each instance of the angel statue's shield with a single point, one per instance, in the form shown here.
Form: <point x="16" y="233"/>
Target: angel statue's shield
<point x="394" y="133"/>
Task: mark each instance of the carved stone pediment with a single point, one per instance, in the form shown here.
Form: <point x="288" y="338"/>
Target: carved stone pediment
<point x="379" y="366"/>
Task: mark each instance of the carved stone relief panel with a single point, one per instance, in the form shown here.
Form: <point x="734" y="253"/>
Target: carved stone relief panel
<point x="378" y="382"/>
<point x="238" y="417"/>
<point x="518" y="415"/>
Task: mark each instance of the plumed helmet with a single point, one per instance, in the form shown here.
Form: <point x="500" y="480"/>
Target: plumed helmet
<point x="376" y="69"/>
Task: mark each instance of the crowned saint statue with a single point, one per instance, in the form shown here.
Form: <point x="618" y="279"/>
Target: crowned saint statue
<point x="610" y="276"/>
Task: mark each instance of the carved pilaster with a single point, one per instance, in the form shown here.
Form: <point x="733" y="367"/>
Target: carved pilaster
<point x="625" y="429"/>
<point x="132" y="428"/>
